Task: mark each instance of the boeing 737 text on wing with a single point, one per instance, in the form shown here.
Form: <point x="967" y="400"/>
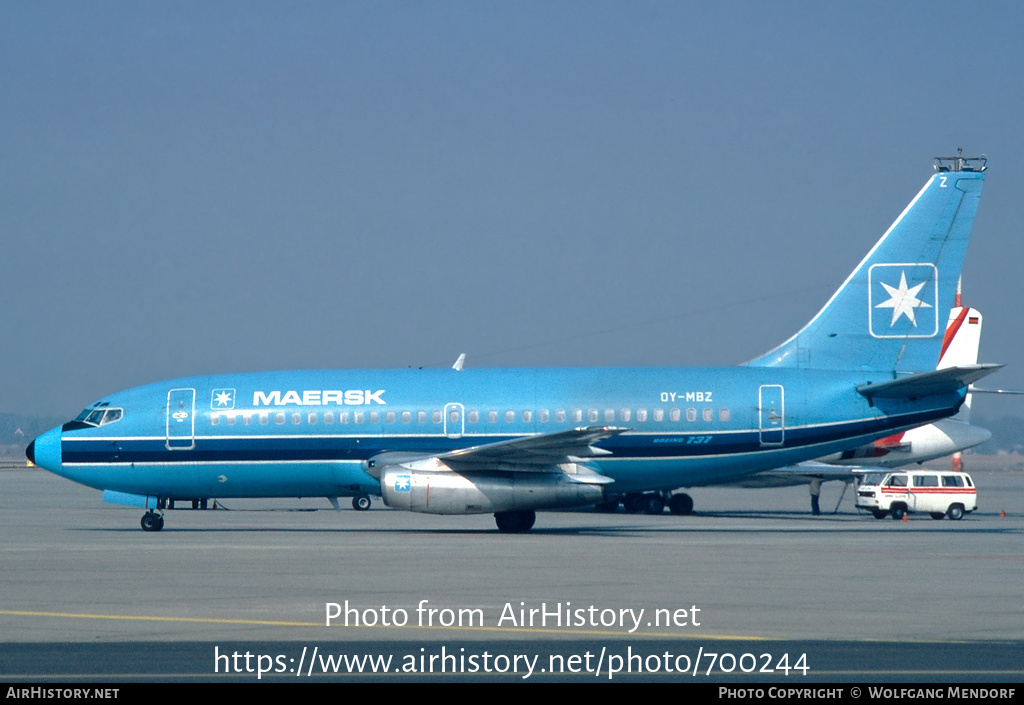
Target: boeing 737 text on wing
<point x="511" y="441"/>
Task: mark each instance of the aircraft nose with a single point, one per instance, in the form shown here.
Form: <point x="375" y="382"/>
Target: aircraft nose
<point x="45" y="450"/>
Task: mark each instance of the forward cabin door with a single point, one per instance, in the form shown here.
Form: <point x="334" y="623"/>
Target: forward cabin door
<point x="181" y="424"/>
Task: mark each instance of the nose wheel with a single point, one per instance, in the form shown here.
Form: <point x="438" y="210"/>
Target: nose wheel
<point x="151" y="521"/>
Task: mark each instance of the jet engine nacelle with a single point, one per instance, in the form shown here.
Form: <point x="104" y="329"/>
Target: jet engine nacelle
<point x="441" y="491"/>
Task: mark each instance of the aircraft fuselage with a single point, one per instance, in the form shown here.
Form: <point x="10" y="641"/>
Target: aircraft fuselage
<point x="312" y="433"/>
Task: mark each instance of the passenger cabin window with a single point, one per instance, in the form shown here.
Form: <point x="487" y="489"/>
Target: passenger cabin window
<point x="952" y="481"/>
<point x="926" y="481"/>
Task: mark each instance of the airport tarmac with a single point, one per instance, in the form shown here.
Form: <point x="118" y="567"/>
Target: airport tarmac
<point x="750" y="569"/>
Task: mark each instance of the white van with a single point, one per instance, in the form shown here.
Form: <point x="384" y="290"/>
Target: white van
<point x="902" y="492"/>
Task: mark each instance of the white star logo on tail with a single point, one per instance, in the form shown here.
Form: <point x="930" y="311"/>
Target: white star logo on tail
<point x="903" y="300"/>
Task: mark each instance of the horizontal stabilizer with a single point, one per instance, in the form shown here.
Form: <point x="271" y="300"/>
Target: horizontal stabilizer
<point x="945" y="381"/>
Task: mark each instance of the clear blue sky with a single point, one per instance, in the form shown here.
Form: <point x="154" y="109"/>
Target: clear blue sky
<point x="225" y="186"/>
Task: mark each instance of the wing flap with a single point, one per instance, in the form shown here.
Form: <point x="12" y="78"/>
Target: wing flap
<point x="544" y="449"/>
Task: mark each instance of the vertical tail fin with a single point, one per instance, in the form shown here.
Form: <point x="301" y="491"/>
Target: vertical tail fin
<point x="887" y="314"/>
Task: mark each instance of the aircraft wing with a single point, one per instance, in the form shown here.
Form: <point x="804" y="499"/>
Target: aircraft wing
<point x="547" y="452"/>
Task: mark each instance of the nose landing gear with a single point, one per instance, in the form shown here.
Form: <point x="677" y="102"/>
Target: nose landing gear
<point x="151" y="521"/>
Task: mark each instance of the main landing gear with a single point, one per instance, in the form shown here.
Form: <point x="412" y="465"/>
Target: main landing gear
<point x="515" y="522"/>
<point x="679" y="504"/>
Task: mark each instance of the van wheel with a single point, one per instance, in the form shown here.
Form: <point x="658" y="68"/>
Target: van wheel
<point x="955" y="512"/>
<point x="899" y="512"/>
<point x="937" y="516"/>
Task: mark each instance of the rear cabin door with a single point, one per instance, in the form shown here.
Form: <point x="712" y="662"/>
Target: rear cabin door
<point x="772" y="415"/>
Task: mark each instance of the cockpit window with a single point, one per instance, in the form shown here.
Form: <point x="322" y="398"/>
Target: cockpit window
<point x="99" y="415"/>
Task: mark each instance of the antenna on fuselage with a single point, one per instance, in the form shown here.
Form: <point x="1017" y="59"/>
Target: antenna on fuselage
<point x="460" y="362"/>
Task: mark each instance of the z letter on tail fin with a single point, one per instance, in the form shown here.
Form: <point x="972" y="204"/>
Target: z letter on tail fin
<point x="887" y="316"/>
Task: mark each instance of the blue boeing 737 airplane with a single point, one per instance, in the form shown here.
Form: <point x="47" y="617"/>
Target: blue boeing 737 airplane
<point x="511" y="441"/>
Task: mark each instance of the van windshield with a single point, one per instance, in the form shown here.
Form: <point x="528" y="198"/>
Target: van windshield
<point x="873" y="478"/>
